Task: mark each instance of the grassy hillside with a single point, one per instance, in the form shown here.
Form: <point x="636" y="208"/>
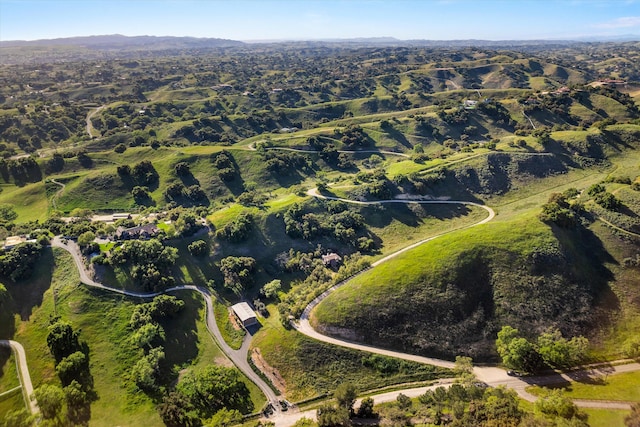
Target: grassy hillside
<point x="456" y="291"/>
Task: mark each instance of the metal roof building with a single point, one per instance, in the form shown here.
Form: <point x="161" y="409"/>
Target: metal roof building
<point x="245" y="314"/>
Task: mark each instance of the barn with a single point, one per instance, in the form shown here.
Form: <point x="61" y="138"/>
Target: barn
<point x="245" y="314"/>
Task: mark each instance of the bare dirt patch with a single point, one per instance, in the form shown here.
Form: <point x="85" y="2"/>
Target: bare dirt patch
<point x="272" y="373"/>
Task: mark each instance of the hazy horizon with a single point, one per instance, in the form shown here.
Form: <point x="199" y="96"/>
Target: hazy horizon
<point x="282" y="20"/>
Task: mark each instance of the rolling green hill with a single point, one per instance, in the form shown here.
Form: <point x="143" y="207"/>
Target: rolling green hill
<point x="241" y="137"/>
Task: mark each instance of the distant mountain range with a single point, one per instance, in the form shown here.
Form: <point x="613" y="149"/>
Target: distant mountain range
<point x="120" y="42"/>
<point x="117" y="42"/>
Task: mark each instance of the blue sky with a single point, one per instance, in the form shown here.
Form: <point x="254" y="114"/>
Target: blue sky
<point x="315" y="19"/>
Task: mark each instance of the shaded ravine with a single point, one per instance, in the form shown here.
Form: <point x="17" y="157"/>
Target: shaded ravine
<point x="238" y="357"/>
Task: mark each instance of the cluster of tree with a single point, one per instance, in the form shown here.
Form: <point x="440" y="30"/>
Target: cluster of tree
<point x="377" y="186"/>
<point x="562" y="209"/>
<point x="192" y="195"/>
<point x="237" y="272"/>
<point x="73" y="228"/>
<point x="602" y="197"/>
<point x="142" y="195"/>
<point x="550" y="349"/>
<point x="340" y="223"/>
<point x="497" y="112"/>
<point x="352" y="136"/>
<point x="17" y="263"/>
<point x="237" y="230"/>
<point x="252" y="198"/>
<point x="150" y="262"/>
<point x="186" y="220"/>
<point x="554" y="408"/>
<point x="296" y="261"/>
<point x="31" y="129"/>
<point x="286" y="162"/>
<point x="213" y="393"/>
<point x="329" y="153"/>
<point x="22" y="170"/>
<point x="205" y="129"/>
<point x="72" y="366"/>
<point x="456" y="117"/>
<point x="225" y="164"/>
<point x="148" y="336"/>
<point x="143" y="173"/>
<point x="343" y="412"/>
<point x="318" y="279"/>
<point x="459" y="406"/>
<point x="198" y="248"/>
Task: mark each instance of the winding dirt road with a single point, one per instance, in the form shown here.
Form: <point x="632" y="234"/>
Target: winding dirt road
<point x="90" y="115"/>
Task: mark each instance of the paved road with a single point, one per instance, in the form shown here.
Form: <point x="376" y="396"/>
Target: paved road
<point x="303" y="325"/>
<point x="493" y="376"/>
<point x="23" y="372"/>
<point x="238" y="357"/>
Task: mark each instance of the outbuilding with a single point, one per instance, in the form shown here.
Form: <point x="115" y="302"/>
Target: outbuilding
<point x="245" y="314"/>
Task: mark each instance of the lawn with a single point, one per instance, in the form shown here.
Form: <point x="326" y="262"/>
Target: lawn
<point x="30" y="201"/>
<point x="625" y="387"/>
<point x="605" y="417"/>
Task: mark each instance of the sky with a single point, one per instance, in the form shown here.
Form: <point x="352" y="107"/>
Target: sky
<point x="251" y="20"/>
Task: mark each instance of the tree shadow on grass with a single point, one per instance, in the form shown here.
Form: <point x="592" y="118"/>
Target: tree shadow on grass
<point x="181" y="343"/>
<point x="413" y="215"/>
<point x="5" y="354"/>
<point x="28" y="294"/>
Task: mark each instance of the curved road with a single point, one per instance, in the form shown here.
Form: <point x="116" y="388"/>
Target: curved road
<point x="238" y="357"/>
<point x="303" y="325"/>
<point x="89" y="117"/>
<point x="493" y="376"/>
<point x="251" y="147"/>
<point x="54" y="199"/>
<point x="23" y="372"/>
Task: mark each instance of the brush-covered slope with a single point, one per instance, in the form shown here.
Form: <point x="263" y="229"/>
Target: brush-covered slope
<point x="452" y="295"/>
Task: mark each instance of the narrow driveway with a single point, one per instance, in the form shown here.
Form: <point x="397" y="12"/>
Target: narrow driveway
<point x="238" y="357"/>
<point x="23" y="372"/>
